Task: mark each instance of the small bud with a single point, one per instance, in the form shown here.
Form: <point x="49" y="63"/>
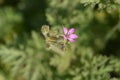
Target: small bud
<point x="45" y="30"/>
<point x="54" y="32"/>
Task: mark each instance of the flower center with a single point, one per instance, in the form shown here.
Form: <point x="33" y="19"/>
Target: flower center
<point x="67" y="36"/>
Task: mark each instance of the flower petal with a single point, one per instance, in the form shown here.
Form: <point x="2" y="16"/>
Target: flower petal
<point x="65" y="37"/>
<point x="71" y="31"/>
<point x="73" y="36"/>
<point x="65" y="30"/>
<point x="71" y="40"/>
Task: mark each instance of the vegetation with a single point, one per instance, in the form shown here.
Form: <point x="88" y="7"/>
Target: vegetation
<point x="32" y="45"/>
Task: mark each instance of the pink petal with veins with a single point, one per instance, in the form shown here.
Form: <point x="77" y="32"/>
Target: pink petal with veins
<point x="65" y="30"/>
<point x="71" y="31"/>
<point x="71" y="40"/>
<point x="74" y="36"/>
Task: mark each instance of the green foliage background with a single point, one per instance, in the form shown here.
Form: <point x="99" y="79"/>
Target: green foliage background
<point x="95" y="55"/>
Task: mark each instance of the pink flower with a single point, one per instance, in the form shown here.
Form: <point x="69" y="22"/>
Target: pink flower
<point x="69" y="34"/>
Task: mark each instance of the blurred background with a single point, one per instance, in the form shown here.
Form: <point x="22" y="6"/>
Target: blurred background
<point x="95" y="55"/>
